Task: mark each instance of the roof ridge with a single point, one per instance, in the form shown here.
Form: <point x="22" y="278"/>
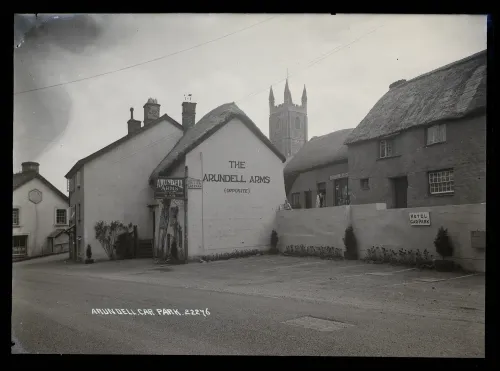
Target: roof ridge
<point x="445" y="67"/>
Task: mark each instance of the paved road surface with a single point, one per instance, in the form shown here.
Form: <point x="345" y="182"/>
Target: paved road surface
<point x="52" y="313"/>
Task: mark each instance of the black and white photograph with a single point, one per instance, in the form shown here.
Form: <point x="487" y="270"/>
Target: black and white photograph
<point x="249" y="184"/>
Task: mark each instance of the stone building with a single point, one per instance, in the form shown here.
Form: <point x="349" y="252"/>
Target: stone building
<point x="424" y="141"/>
<point x="288" y="123"/>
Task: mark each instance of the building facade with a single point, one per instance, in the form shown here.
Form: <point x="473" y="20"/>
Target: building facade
<point x="240" y="187"/>
<point x="288" y="123"/>
<point x="424" y="142"/>
<point x="39" y="215"/>
<point x="317" y="176"/>
<point x="110" y="184"/>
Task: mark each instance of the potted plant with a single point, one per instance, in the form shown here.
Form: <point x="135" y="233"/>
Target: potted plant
<point x="274" y="242"/>
<point x="351" y="245"/>
<point x="89" y="259"/>
<point x="444" y="248"/>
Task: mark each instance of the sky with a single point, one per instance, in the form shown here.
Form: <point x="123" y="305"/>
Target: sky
<point x="346" y="62"/>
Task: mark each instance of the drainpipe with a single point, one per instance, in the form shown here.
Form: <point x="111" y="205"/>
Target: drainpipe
<point x="202" y="191"/>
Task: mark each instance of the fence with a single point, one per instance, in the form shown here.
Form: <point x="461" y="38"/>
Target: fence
<point x="374" y="225"/>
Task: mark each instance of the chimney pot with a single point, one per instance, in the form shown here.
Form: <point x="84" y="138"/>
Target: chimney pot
<point x="133" y="125"/>
<point x="188" y="114"/>
<point x="30" y="166"/>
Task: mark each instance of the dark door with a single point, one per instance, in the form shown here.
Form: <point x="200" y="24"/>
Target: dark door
<point x="400" y="192"/>
<point x="308" y="197"/>
<point x="341" y="191"/>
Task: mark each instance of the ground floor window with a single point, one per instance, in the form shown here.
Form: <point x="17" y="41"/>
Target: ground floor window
<point x="441" y="181"/>
<point x="296" y="200"/>
<point x="15" y="216"/>
<point x="341" y="192"/>
<point x="19" y="245"/>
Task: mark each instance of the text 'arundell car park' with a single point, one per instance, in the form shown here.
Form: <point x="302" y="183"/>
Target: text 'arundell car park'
<point x="350" y="215"/>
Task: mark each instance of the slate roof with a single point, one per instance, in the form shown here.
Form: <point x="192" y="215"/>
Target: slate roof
<point x="449" y="92"/>
<point x="22" y="178"/>
<point x="109" y="147"/>
<point x="207" y="126"/>
<point x="320" y="151"/>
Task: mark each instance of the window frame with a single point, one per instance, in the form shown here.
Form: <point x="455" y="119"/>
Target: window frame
<point x="391" y="147"/>
<point x="65" y="216"/>
<point x="363" y="188"/>
<point x="441" y="193"/>
<point x="441" y="130"/>
<point x="18" y="216"/>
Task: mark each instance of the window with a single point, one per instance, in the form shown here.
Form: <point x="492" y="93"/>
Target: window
<point x="61" y="216"/>
<point x="385" y="148"/>
<point x="79" y="212"/>
<point x="71" y="185"/>
<point x="436" y="134"/>
<point x="441" y="182"/>
<point x="365" y="184"/>
<point x="78" y="179"/>
<point x="296" y="200"/>
<point x="15" y="216"/>
<point x="297" y="123"/>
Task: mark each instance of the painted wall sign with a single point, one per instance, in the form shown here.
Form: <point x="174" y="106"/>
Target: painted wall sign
<point x="35" y="196"/>
<point x="169" y="188"/>
<point x="236" y="178"/>
<point x="421" y="218"/>
<point x="339" y="176"/>
<point x="194" y="183"/>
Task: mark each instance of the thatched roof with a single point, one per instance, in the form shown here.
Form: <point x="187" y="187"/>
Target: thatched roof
<point x="319" y="151"/>
<point x="450" y="92"/>
<point x="208" y="125"/>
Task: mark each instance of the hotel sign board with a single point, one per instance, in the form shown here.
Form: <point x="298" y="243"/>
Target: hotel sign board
<point x="169" y="188"/>
<point x="421" y="218"/>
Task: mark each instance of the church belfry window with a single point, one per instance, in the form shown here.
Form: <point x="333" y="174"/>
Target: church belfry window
<point x="297" y="123"/>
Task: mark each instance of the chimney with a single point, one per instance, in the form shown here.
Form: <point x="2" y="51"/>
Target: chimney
<point x="151" y="111"/>
<point x="188" y="113"/>
<point x="397" y="83"/>
<point x="30" y="166"/>
<point x="133" y="125"/>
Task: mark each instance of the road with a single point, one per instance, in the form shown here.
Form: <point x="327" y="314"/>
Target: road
<point x="52" y="313"/>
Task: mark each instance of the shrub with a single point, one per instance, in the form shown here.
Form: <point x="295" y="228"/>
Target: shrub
<point x="350" y="243"/>
<point x="274" y="242"/>
<point x="107" y="235"/>
<point x="443" y="243"/>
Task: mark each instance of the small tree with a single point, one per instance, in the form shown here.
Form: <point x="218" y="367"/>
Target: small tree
<point x="443" y="244"/>
<point x="274" y="242"/>
<point x="351" y="245"/>
<point x="107" y="235"/>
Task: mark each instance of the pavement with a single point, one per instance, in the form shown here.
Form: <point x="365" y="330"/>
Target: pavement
<point x="263" y="305"/>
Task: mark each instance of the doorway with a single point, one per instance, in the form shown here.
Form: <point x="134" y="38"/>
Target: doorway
<point x="19" y="245"/>
<point x="400" y="189"/>
<point x="308" y="199"/>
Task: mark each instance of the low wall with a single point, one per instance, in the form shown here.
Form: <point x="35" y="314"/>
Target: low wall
<point x="374" y="225"/>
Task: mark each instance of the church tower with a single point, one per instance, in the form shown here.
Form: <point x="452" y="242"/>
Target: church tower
<point x="288" y="123"/>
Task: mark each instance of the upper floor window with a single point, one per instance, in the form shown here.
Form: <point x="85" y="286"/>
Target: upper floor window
<point x="297" y="123"/>
<point x="71" y="185"/>
<point x="441" y="182"/>
<point x="385" y="148"/>
<point x="61" y="216"/>
<point x="365" y="184"/>
<point x="436" y="134"/>
<point x="78" y="179"/>
<point x="15" y="216"/>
